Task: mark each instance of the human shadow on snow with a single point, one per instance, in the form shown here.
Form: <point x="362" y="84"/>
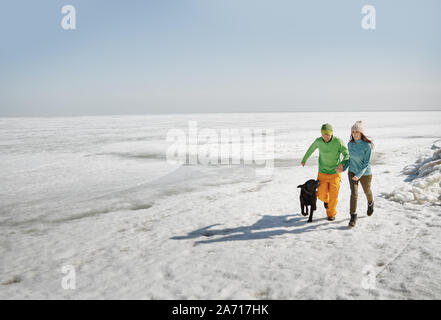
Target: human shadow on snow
<point x="259" y="230"/>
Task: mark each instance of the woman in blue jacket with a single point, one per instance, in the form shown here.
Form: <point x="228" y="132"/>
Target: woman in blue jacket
<point x="359" y="166"/>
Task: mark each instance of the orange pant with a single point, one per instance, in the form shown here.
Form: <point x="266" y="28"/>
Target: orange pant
<point x="328" y="191"/>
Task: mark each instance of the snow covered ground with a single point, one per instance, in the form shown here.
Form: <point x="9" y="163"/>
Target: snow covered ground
<point x="95" y="194"/>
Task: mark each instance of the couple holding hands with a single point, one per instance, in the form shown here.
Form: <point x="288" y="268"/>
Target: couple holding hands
<point x="356" y="158"/>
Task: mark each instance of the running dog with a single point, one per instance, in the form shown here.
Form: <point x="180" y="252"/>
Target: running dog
<point x="308" y="197"/>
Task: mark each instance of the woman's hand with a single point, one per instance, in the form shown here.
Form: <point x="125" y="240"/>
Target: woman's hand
<point x="303" y="164"/>
<point x="355" y="178"/>
<point x="339" y="168"/>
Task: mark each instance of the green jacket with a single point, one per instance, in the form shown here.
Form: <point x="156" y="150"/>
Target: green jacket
<point x="329" y="156"/>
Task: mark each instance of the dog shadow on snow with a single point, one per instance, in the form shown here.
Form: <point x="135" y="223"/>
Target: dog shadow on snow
<point x="262" y="229"/>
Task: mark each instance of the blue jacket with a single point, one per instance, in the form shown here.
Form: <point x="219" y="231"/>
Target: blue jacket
<point x="359" y="158"/>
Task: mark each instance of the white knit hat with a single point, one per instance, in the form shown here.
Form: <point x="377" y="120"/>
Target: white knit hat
<point x="358" y="126"/>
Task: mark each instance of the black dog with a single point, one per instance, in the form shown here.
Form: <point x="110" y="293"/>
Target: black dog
<point x="308" y="197"/>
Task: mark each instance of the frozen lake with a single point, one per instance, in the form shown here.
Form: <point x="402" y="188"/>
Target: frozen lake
<point x="97" y="194"/>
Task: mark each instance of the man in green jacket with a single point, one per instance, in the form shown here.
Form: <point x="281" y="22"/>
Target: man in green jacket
<point x="330" y="167"/>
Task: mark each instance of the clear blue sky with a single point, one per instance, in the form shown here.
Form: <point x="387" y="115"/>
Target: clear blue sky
<point x="134" y="57"/>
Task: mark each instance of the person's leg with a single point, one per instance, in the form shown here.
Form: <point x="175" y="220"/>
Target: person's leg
<point x="334" y="188"/>
<point x="323" y="189"/>
<point x="366" y="184"/>
<point x="354" y="193"/>
<point x="353" y="203"/>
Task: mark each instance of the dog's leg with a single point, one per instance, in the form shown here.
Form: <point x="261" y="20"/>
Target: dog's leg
<point x="311" y="211"/>
<point x="302" y="204"/>
<point x="313" y="208"/>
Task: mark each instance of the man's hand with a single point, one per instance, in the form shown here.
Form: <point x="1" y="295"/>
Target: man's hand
<point x="355" y="178"/>
<point x="339" y="168"/>
<point x="303" y="164"/>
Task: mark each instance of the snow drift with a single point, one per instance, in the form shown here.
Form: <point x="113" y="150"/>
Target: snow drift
<point x="425" y="180"/>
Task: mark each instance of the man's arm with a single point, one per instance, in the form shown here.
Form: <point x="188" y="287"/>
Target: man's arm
<point x="346" y="165"/>
<point x="344" y="151"/>
<point x="310" y="150"/>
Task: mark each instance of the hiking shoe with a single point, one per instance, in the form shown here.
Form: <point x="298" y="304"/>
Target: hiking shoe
<point x="370" y="209"/>
<point x="331" y="218"/>
<point x="326" y="205"/>
<point x="353" y="220"/>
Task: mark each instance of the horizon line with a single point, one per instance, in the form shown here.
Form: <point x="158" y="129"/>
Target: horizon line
<point x="205" y="112"/>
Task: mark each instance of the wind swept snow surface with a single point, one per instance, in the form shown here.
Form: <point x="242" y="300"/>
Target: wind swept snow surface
<point x="90" y="209"/>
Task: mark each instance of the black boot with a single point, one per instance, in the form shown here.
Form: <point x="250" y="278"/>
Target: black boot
<point x="370" y="209"/>
<point x="353" y="220"/>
